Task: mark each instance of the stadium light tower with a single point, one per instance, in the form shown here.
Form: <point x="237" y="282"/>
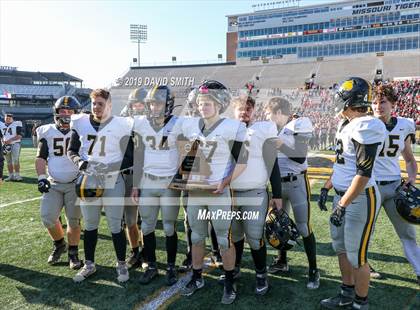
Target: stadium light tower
<point x="138" y="34"/>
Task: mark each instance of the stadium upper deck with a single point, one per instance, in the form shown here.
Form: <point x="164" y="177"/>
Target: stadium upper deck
<point x="324" y="30"/>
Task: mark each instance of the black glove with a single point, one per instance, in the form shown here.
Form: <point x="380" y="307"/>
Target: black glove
<point x="44" y="186"/>
<point x="337" y="216"/>
<point x="322" y="200"/>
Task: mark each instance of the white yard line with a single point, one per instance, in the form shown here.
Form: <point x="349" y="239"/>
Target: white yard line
<point x="18" y="202"/>
<point x="165" y="295"/>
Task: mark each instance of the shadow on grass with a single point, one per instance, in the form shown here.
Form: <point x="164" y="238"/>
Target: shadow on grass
<point x="101" y="291"/>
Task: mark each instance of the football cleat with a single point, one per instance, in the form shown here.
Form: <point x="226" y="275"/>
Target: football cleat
<point x="192" y="286"/>
<point x="261" y="284"/>
<point x="122" y="272"/>
<point x="87" y="270"/>
<point x="171" y="276"/>
<point x="313" y="280"/>
<point x="149" y="274"/>
<point x="56" y="253"/>
<point x="278" y="266"/>
<point x="343" y="300"/>
<point x="74" y="262"/>
<point x="134" y="261"/>
<point x="229" y="293"/>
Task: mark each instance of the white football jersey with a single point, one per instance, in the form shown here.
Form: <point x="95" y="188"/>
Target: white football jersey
<point x="387" y="165"/>
<point x="60" y="168"/>
<point x="161" y="152"/>
<point x="2" y="126"/>
<point x="303" y="127"/>
<point x="255" y="175"/>
<point x="9" y="131"/>
<point x="101" y="145"/>
<point x="364" y="130"/>
<point x="216" y="143"/>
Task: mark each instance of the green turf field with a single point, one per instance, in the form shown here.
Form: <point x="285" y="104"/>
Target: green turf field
<point x="27" y="282"/>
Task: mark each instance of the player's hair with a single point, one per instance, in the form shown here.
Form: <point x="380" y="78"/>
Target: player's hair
<point x="243" y="100"/>
<point x="385" y="90"/>
<point x="279" y="103"/>
<point x="100" y="92"/>
<point x="361" y="109"/>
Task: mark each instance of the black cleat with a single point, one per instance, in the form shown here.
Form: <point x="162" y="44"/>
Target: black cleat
<point x="229" y="293"/>
<point x="278" y="266"/>
<point x="56" y="253"/>
<point x="149" y="274"/>
<point x="192" y="286"/>
<point x="134" y="261"/>
<point x="171" y="276"/>
<point x="261" y="284"/>
<point x="74" y="262"/>
<point x="343" y="300"/>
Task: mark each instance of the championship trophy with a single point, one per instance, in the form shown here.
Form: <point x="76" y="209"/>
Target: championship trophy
<point x="193" y="170"/>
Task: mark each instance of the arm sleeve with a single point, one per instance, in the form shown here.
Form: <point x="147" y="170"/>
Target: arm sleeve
<point x="239" y="153"/>
<point x="19" y="130"/>
<point x="365" y="158"/>
<point x="74" y="147"/>
<point x="299" y="152"/>
<point x="270" y="159"/>
<point x="42" y="151"/>
<point x="138" y="159"/>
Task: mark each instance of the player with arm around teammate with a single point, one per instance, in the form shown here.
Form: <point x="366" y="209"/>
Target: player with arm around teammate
<point x="135" y="107"/>
<point x="157" y="133"/>
<point x="101" y="147"/>
<point x="293" y="138"/>
<point x="57" y="187"/>
<point x="250" y="189"/>
<point x="220" y="141"/>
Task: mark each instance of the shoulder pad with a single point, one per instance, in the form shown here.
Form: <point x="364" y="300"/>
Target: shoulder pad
<point x="369" y="130"/>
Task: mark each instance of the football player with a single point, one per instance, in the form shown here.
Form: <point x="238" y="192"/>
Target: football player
<point x="357" y="200"/>
<point x="101" y="146"/>
<point x="220" y="141"/>
<point x="135" y="106"/>
<point x="293" y="139"/>
<point x="57" y="187"/>
<point x="400" y="134"/>
<point x="12" y="134"/>
<point x="250" y="189"/>
<point x="1" y="152"/>
<point x="157" y="134"/>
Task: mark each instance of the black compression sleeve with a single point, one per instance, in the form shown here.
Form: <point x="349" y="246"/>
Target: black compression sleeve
<point x="239" y="154"/>
<point x="42" y="151"/>
<point x="74" y="147"/>
<point x="299" y="153"/>
<point x="365" y="158"/>
<point x="19" y="130"/>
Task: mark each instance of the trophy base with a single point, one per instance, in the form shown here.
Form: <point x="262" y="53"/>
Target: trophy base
<point x="181" y="185"/>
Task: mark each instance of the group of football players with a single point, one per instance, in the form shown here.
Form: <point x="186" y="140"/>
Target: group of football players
<point x="126" y="164"/>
